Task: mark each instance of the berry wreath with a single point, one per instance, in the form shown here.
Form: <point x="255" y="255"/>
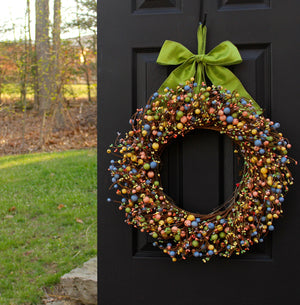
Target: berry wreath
<point x="240" y="222"/>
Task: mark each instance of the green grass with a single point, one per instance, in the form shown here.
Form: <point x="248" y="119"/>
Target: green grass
<point x="79" y="91"/>
<point x="38" y="241"/>
<point x="12" y="91"/>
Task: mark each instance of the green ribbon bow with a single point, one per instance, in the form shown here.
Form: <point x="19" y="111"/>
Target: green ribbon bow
<point x="201" y="64"/>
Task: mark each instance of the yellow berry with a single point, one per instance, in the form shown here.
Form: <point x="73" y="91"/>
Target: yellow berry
<point x="263" y="170"/>
<point x="133" y="158"/>
<point x="197" y="111"/>
<point x="170" y="220"/>
<point x="219" y="227"/>
<point x="191" y="217"/>
<point x="161" y="222"/>
<point x="155" y="146"/>
<point x="210" y="247"/>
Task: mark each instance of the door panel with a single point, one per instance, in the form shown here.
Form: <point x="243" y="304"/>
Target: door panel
<point x="200" y="170"/>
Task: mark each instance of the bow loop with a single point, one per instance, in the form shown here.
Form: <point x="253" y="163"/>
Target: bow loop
<point x="224" y="54"/>
<point x="211" y="65"/>
<point x="173" y="53"/>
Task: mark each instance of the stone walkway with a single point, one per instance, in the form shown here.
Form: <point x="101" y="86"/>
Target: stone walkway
<point x="78" y="287"/>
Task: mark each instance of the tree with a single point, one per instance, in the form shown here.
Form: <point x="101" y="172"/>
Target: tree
<point x="57" y="73"/>
<point x="86" y="21"/>
<point x="42" y="46"/>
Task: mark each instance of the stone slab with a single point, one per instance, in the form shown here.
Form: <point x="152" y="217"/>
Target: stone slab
<point x="81" y="283"/>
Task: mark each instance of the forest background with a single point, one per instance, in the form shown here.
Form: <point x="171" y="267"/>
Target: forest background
<point x="48" y="76"/>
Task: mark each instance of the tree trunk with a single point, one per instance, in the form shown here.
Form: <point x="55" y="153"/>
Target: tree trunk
<point x="43" y="60"/>
<point x="59" y="121"/>
<point x="28" y="54"/>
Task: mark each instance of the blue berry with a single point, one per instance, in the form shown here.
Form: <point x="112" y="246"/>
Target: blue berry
<point x="283" y="159"/>
<point x="108" y="200"/>
<point x="271" y="228"/>
<point x="281" y="199"/>
<point x="196" y="254"/>
<point x="257" y="143"/>
<point x="261" y="151"/>
<point x="229" y="119"/>
<point x="134" y="197"/>
<point x="187" y="88"/>
<point x="194" y="223"/>
<point x="210" y="252"/>
<point x="211" y="226"/>
<point x="155" y="94"/>
<point x="147" y="127"/>
<point x="153" y="164"/>
<point x="226" y="110"/>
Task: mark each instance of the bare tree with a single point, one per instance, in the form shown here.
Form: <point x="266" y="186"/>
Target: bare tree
<point x="43" y="60"/>
<point x="27" y="65"/>
<point x="57" y="73"/>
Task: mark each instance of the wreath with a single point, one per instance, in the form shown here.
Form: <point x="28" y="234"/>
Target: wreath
<point x="257" y="200"/>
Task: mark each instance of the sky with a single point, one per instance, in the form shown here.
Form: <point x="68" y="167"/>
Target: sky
<point x="13" y="12"/>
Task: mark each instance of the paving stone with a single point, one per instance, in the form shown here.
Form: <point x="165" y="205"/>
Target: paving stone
<point x="81" y="283"/>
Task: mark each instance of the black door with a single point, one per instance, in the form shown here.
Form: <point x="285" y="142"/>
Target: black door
<point x="131" y="33"/>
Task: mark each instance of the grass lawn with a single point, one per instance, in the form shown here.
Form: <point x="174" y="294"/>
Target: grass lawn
<point x="48" y="220"/>
<point x="12" y="91"/>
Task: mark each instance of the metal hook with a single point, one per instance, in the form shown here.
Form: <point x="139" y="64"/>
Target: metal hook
<point x="204" y="21"/>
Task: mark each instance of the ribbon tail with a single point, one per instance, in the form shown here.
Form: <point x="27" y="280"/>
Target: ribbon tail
<point x="219" y="75"/>
<point x="200" y="77"/>
<point x="179" y="76"/>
